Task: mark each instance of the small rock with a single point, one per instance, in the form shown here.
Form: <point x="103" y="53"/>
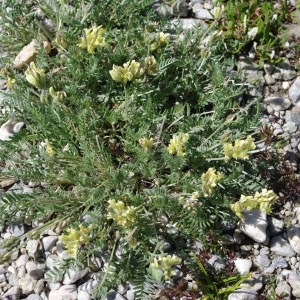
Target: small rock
<point x="26" y="56"/>
<point x="294" y="280"/>
<point x="22" y="260"/>
<point x="269" y="79"/>
<point x="27" y="284"/>
<point x="65" y="292"/>
<point x="262" y="261"/>
<point x="49" y="242"/>
<point x="8" y="129"/>
<point x="82" y="295"/>
<point x="243" y="294"/>
<point x="130" y="294"/>
<point x="243" y="266"/>
<point x="255" y="225"/>
<point x="72" y="275"/>
<point x="293" y="233"/>
<point x="217" y="262"/>
<point x="12" y="294"/>
<point x="34" y="297"/>
<point x="283" y="290"/>
<point x="34" y="248"/>
<point x="279" y="262"/>
<point x="255" y="282"/>
<point x="88" y="286"/>
<point x="35" y="269"/>
<point x="294" y="92"/>
<point x="202" y="13"/>
<point x="281" y="247"/>
<point x="278" y="103"/>
<point x="179" y="8"/>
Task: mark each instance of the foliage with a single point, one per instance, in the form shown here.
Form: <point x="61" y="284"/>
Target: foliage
<point x="126" y="121"/>
<point x="256" y="24"/>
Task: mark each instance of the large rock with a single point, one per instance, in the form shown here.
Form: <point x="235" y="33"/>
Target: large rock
<point x="243" y="294"/>
<point x="26" y="56"/>
<point x="294" y="92"/>
<point x="65" y="292"/>
<point x="255" y="225"/>
<point x="281" y="246"/>
<point x="293" y="233"/>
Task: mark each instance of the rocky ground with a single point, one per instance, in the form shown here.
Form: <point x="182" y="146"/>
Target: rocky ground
<point x="269" y="247"/>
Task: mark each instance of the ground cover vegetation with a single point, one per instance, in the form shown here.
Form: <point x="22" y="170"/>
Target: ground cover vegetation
<point x="145" y="139"/>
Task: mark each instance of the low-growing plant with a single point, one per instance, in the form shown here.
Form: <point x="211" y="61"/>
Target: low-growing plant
<point x="138" y="132"/>
<point x="256" y="24"/>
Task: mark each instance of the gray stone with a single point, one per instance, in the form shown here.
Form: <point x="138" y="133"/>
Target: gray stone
<point x="255" y="282"/>
<point x="27" y="284"/>
<point x="72" y="275"/>
<point x="16" y="229"/>
<point x="294" y="92"/>
<point x="179" y="8"/>
<point x="262" y="261"/>
<point x="8" y="129"/>
<point x="202" y="13"/>
<point x="255" y="225"/>
<point x="283" y="290"/>
<point x="243" y="294"/>
<point x="65" y="292"/>
<point x="34" y="297"/>
<point x="49" y="242"/>
<point x="26" y="56"/>
<point x="34" y="248"/>
<point x="293" y="115"/>
<point x="217" y="262"/>
<point x="281" y="247"/>
<point x="12" y="294"/>
<point x="278" y="103"/>
<point x="189" y="23"/>
<point x="82" y="295"/>
<point x="22" y="260"/>
<point x="275" y="226"/>
<point x="21" y="272"/>
<point x="294" y="281"/>
<point x="35" y="269"/>
<point x="293" y="233"/>
<point x="243" y="266"/>
<point x="268" y="68"/>
<point x="53" y="261"/>
<point x="269" y="79"/>
<point x="130" y="294"/>
<point x="289" y="127"/>
<point x="279" y="262"/>
<point x="88" y="286"/>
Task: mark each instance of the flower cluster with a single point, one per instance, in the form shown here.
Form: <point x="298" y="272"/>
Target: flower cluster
<point x="124" y="216"/>
<point x="150" y="65"/>
<point x="146" y="143"/>
<point x="49" y="149"/>
<point x="190" y="202"/>
<point x="76" y="239"/>
<point x="240" y="148"/>
<point x="261" y="201"/>
<point x="35" y="76"/>
<point x="93" y="39"/>
<point x="160" y="39"/>
<point x="209" y="181"/>
<point x="177" y="143"/>
<point x="165" y="265"/>
<point x="130" y="71"/>
<point x="57" y="96"/>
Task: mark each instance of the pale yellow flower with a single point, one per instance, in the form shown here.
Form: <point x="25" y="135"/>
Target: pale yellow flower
<point x="93" y="39"/>
<point x="176" y="145"/>
<point x="35" y="76"/>
<point x="58" y="96"/>
<point x="130" y="71"/>
<point x="76" y="239"/>
<point x="10" y="83"/>
<point x="146" y="143"/>
<point x="166" y="264"/>
<point x="261" y="201"/>
<point x="122" y="214"/>
<point x="49" y="149"/>
<point x="209" y="181"/>
<point x="240" y="149"/>
<point x="150" y="65"/>
<point x="160" y="39"/>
